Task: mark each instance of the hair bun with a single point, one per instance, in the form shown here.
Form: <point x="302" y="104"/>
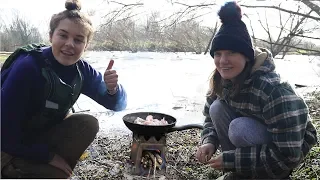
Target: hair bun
<point x="73" y="5"/>
<point x="230" y="12"/>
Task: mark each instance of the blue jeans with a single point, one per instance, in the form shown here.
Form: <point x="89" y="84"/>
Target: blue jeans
<point x="236" y="131"/>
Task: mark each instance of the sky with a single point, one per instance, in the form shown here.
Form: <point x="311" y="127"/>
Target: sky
<point x="38" y="12"/>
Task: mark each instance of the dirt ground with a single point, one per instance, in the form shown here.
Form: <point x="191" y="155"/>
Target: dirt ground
<point x="108" y="156"/>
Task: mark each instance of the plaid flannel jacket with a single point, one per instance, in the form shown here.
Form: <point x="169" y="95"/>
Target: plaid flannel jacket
<point x="286" y="116"/>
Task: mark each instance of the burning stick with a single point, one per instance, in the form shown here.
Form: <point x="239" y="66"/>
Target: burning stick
<point x="154" y="168"/>
<point x="154" y="160"/>
<point x="144" y="162"/>
<point x="151" y="159"/>
<point x="159" y="159"/>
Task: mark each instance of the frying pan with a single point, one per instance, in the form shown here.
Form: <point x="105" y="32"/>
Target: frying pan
<point x="152" y="130"/>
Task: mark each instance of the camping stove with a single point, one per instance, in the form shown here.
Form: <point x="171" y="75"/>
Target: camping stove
<point x="148" y="154"/>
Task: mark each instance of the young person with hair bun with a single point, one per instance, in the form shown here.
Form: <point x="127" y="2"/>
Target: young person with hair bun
<point x="39" y="138"/>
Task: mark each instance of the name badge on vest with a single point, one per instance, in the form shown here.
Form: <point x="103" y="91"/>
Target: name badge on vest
<point x="51" y="105"/>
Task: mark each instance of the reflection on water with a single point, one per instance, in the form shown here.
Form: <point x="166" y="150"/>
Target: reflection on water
<point x="163" y="82"/>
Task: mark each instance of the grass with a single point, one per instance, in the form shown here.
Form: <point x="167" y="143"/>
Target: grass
<point x="310" y="167"/>
<point x="3" y="57"/>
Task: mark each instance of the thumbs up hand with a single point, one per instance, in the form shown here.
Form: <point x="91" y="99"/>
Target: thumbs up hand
<point x="111" y="78"/>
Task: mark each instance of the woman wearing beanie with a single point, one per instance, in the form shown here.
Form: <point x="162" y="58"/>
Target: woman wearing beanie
<point x="262" y="127"/>
<point x="39" y="86"/>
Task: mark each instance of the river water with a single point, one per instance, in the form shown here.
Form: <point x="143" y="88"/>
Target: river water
<point x="175" y="83"/>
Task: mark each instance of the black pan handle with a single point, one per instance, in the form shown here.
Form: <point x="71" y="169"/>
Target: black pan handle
<point x="185" y="127"/>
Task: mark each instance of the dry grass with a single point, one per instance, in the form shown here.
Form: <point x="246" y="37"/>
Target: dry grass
<point x="109" y="156"/>
<point x="3" y="57"/>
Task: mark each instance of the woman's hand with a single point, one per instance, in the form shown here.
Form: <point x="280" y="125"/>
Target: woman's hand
<point x="216" y="162"/>
<point x="60" y="163"/>
<point x="205" y="152"/>
<point x="111" y="78"/>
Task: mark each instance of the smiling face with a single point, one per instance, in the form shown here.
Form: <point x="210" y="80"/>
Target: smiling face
<point x="69" y="41"/>
<point x="229" y="63"/>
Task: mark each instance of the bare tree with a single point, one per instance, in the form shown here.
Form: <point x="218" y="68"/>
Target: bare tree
<point x="288" y="30"/>
<point x="291" y="26"/>
<point x="18" y="33"/>
<point x="154" y="33"/>
<point x="123" y="12"/>
<point x="118" y="32"/>
<point x="189" y="36"/>
<point x="182" y="29"/>
<point x="283" y="10"/>
<point x="188" y="12"/>
<point x="214" y="31"/>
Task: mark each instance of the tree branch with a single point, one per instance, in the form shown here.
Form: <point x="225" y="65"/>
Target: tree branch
<point x="284" y="10"/>
<point x="136" y="4"/>
<point x="304" y="36"/>
<point x="312" y="6"/>
<point x="187" y="10"/>
<point x="118" y="13"/>
<point x="197" y="5"/>
<point x="313" y="50"/>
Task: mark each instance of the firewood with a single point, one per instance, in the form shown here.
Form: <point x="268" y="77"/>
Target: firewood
<point x="153" y="159"/>
<point x="159" y="159"/>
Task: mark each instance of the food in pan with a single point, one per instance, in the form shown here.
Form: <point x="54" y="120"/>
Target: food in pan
<point x="151" y="121"/>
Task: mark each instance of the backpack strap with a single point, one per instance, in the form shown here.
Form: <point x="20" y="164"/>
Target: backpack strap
<point x="34" y="49"/>
<point x="52" y="80"/>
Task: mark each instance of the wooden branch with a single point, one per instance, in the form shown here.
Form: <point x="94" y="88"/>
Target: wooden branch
<point x="195" y="17"/>
<point x="197" y="5"/>
<point x="185" y="11"/>
<point x="165" y="18"/>
<point x="304" y="36"/>
<point x="118" y="13"/>
<point x="213" y="34"/>
<point x="266" y="30"/>
<point x="176" y="20"/>
<point x="128" y="17"/>
<point x="288" y="45"/>
<point x="282" y="29"/>
<point x="137" y="4"/>
<point x="284" y="10"/>
<point x="286" y="40"/>
<point x="253" y="35"/>
<point x="312" y="6"/>
<point x="267" y="24"/>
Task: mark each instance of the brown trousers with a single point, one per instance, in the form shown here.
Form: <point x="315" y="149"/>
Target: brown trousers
<point x="68" y="139"/>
